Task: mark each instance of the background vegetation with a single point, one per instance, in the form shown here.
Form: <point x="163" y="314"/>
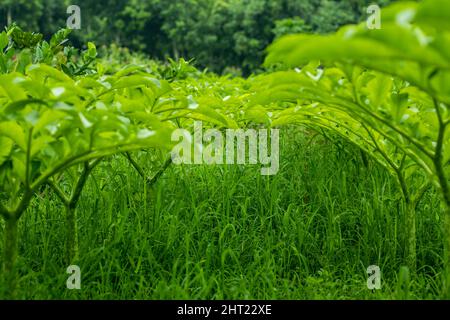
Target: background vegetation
<point x="219" y="34"/>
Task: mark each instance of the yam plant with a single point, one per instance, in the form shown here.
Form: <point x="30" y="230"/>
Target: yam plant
<point x="58" y="125"/>
<point x="388" y="88"/>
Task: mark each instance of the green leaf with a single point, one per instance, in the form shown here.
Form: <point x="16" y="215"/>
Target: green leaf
<point x="14" y="131"/>
<point x="92" y="50"/>
<point x="6" y="146"/>
<point x="49" y="117"/>
<point x="19" y="166"/>
<point x="17" y="106"/>
<point x="4" y="40"/>
<point x="40" y="143"/>
<point x="135" y="81"/>
<point x="435" y="13"/>
<point x="10" y="85"/>
<point x="47" y="71"/>
<point x="378" y="89"/>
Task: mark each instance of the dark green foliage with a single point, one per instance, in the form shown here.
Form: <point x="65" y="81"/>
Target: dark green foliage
<point x="217" y="33"/>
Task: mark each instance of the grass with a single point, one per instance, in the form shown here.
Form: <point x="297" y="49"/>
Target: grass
<point x="226" y="232"/>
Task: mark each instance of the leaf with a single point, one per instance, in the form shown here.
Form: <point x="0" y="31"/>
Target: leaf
<point x="378" y="89"/>
<point x="17" y="106"/>
<point x="6" y="146"/>
<point x="48" y="117"/>
<point x="4" y="40"/>
<point x="14" y="131"/>
<point x="19" y="166"/>
<point x="39" y="144"/>
<point x="435" y="13"/>
<point x="46" y="71"/>
<point x="92" y="50"/>
<point x="10" y="85"/>
<point x="135" y="81"/>
<point x="59" y="38"/>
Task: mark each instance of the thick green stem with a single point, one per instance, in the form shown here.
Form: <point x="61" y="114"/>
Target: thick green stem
<point x="410" y="225"/>
<point x="409" y="205"/>
<point x="411" y="243"/>
<point x="444" y="190"/>
<point x="9" y="257"/>
<point x="135" y="165"/>
<point x="158" y="174"/>
<point x="72" y="249"/>
<point x="71" y="216"/>
<point x="150" y="180"/>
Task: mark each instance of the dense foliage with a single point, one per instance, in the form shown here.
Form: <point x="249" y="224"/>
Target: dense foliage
<point x="219" y="34"/>
<point x="384" y="90"/>
<point x="380" y="96"/>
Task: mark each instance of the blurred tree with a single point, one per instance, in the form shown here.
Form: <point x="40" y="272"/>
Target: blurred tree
<point x="217" y="33"/>
<point x="290" y="26"/>
<point x="23" y="12"/>
<point x="331" y="15"/>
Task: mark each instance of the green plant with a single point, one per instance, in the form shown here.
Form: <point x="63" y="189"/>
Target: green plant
<point x="392" y="88"/>
<point x="49" y="123"/>
<point x="59" y="118"/>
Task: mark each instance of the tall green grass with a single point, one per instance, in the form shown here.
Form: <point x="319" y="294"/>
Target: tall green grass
<point x="226" y="232"/>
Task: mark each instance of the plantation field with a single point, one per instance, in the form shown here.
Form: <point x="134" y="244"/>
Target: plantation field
<point x="228" y="233"/>
<point x="324" y="173"/>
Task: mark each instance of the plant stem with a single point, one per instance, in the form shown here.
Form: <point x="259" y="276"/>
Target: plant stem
<point x="411" y="251"/>
<point x="135" y="165"/>
<point x="71" y="216"/>
<point x="410" y="212"/>
<point x="72" y="248"/>
<point x="438" y="159"/>
<point x="445" y="193"/>
<point x="149" y="180"/>
<point x="158" y="174"/>
<point x="409" y="205"/>
<point x="59" y="193"/>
